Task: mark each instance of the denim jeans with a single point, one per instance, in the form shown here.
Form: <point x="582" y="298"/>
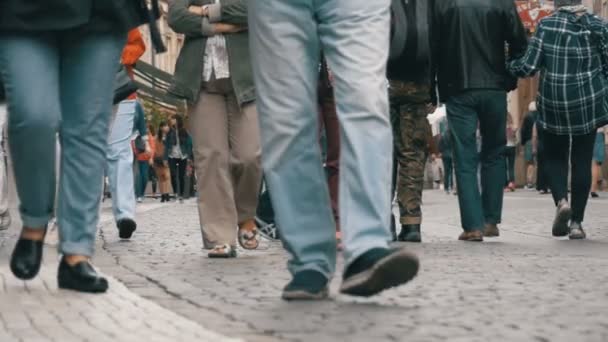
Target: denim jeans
<point x="120" y="162"/>
<point x="466" y="111"/>
<point x="142" y="178"/>
<point x="3" y="171"/>
<point x="60" y="81"/>
<point x="286" y="37"/>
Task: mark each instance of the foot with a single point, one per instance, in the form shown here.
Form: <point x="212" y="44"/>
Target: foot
<point x="473" y="235"/>
<point x="377" y="270"/>
<point x="307" y="285"/>
<point x="491" y="230"/>
<point x="5" y="221"/>
<point x="27" y="255"/>
<point x="511" y="186"/>
<point x="562" y="217"/>
<point x="140" y="200"/>
<point x="577" y="232"/>
<point x="225" y="251"/>
<point x="594" y="195"/>
<point x="248" y="235"/>
<point x="126" y="227"/>
<point x="80" y="276"/>
<point x="410" y="233"/>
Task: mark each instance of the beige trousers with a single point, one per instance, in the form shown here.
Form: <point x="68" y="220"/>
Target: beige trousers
<point x="227" y="157"/>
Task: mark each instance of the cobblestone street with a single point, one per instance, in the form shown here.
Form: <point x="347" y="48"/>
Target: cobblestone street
<point x="523" y="286"/>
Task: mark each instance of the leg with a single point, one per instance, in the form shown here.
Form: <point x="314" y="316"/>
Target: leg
<point x="412" y="160"/>
<point x="173" y="173"/>
<point x="355" y="35"/>
<point x="492" y="123"/>
<point x="217" y="212"/>
<point x="88" y="63"/>
<point x="555" y="158"/>
<point x="288" y="122"/>
<point x="463" y="122"/>
<point x="143" y="178"/>
<point x="580" y="159"/>
<point x="447" y="174"/>
<point x="4" y="214"/>
<point x="30" y="68"/>
<point x="181" y="172"/>
<point x="120" y="179"/>
<point x="332" y="162"/>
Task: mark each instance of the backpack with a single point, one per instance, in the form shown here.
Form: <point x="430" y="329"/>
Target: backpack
<point x="410" y="30"/>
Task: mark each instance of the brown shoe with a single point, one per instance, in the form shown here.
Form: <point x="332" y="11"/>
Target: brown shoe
<point x="474" y="235"/>
<point x="491" y="230"/>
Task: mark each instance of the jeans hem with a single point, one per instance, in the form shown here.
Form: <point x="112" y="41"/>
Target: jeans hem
<point x="35" y="222"/>
<point x="312" y="267"/>
<point x="351" y="256"/>
<point x="76" y="248"/>
<point x="411" y="220"/>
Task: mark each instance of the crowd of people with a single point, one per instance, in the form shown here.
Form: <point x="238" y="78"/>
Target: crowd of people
<point x="265" y="80"/>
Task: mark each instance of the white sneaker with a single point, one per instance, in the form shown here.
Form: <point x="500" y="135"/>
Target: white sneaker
<point x="140" y="200"/>
<point x="5" y="221"/>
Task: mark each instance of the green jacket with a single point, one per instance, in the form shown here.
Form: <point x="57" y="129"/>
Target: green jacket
<point x="189" y="67"/>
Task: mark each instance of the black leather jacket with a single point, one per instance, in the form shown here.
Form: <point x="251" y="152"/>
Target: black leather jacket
<point x="469" y="44"/>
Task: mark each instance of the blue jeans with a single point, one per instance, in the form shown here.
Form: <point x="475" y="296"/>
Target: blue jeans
<point x="60" y="81"/>
<point x="488" y="110"/>
<point x="120" y="162"/>
<point x="286" y="37"/>
<point x="142" y="178"/>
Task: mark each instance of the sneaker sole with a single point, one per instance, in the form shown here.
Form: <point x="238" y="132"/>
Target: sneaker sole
<point x="394" y="270"/>
<point x="560" y="225"/>
<point x="126" y="229"/>
<point x="304" y="295"/>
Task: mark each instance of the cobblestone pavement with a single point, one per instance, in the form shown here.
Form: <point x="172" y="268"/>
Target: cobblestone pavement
<point x="523" y="286"/>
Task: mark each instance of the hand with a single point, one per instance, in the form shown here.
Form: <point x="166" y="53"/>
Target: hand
<point x="197" y="10"/>
<point x="227" y="28"/>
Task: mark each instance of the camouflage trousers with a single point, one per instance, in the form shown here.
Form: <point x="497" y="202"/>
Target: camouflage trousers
<point x="411" y="129"/>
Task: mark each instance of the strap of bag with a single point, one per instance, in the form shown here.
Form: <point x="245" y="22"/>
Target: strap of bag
<point x="152" y="15"/>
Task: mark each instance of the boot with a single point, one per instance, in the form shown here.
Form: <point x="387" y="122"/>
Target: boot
<point x="410" y="233"/>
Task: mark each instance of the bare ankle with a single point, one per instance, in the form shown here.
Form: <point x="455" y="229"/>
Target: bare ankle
<point x="75" y="259"/>
<point x="34" y="234"/>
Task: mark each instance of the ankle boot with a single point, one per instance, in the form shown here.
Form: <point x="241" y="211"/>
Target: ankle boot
<point x="410" y="233"/>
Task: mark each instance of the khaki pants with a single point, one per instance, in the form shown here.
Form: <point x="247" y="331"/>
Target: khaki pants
<point x="227" y="160"/>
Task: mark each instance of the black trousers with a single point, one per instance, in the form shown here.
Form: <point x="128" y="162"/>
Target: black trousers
<point x="178" y="175"/>
<point x="557" y="153"/>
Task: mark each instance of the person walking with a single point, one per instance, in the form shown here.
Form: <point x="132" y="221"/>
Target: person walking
<point x="286" y="39"/>
<point x="144" y="161"/>
<point x="64" y="54"/>
<point x="330" y="127"/>
<point x="510" y="152"/>
<point x="473" y="81"/>
<point x="411" y="97"/>
<point x="129" y="120"/>
<point x="178" y="153"/>
<point x="161" y="164"/>
<point x="5" y="215"/>
<point x="224" y="120"/>
<point x="445" y="147"/>
<point x="599" y="154"/>
<point x="570" y="50"/>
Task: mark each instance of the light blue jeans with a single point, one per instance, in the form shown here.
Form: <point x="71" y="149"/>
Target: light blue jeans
<point x="120" y="162"/>
<point x="60" y="81"/>
<point x="286" y="37"/>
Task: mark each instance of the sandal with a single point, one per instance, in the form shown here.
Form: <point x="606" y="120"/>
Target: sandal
<point x="248" y="235"/>
<point x="222" y="252"/>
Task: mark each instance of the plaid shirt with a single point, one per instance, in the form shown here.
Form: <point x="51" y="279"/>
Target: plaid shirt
<point x="570" y="50"/>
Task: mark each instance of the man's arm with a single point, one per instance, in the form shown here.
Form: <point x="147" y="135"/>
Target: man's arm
<point x="227" y="11"/>
<point x="182" y="19"/>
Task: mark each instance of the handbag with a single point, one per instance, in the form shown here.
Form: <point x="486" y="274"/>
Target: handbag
<point x="140" y="145"/>
<point x="124" y="86"/>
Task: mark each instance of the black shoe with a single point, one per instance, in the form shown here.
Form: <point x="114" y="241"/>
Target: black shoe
<point x="562" y="218"/>
<point x="594" y="195"/>
<point x="393" y="228"/>
<point x="410" y="233"/>
<point x="26" y="258"/>
<point x="377" y="270"/>
<point x="126" y="227"/>
<point x="80" y="277"/>
<point x="307" y="285"/>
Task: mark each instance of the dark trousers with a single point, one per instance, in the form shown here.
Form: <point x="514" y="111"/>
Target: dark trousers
<point x="178" y="175"/>
<point x="541" y="174"/>
<point x="142" y="178"/>
<point x="557" y="155"/>
<point x="510" y="160"/>
<point x="448" y="168"/>
<point x="466" y="111"/>
<point x="329" y="123"/>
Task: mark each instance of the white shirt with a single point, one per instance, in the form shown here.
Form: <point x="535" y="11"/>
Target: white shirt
<point x="216" y="58"/>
